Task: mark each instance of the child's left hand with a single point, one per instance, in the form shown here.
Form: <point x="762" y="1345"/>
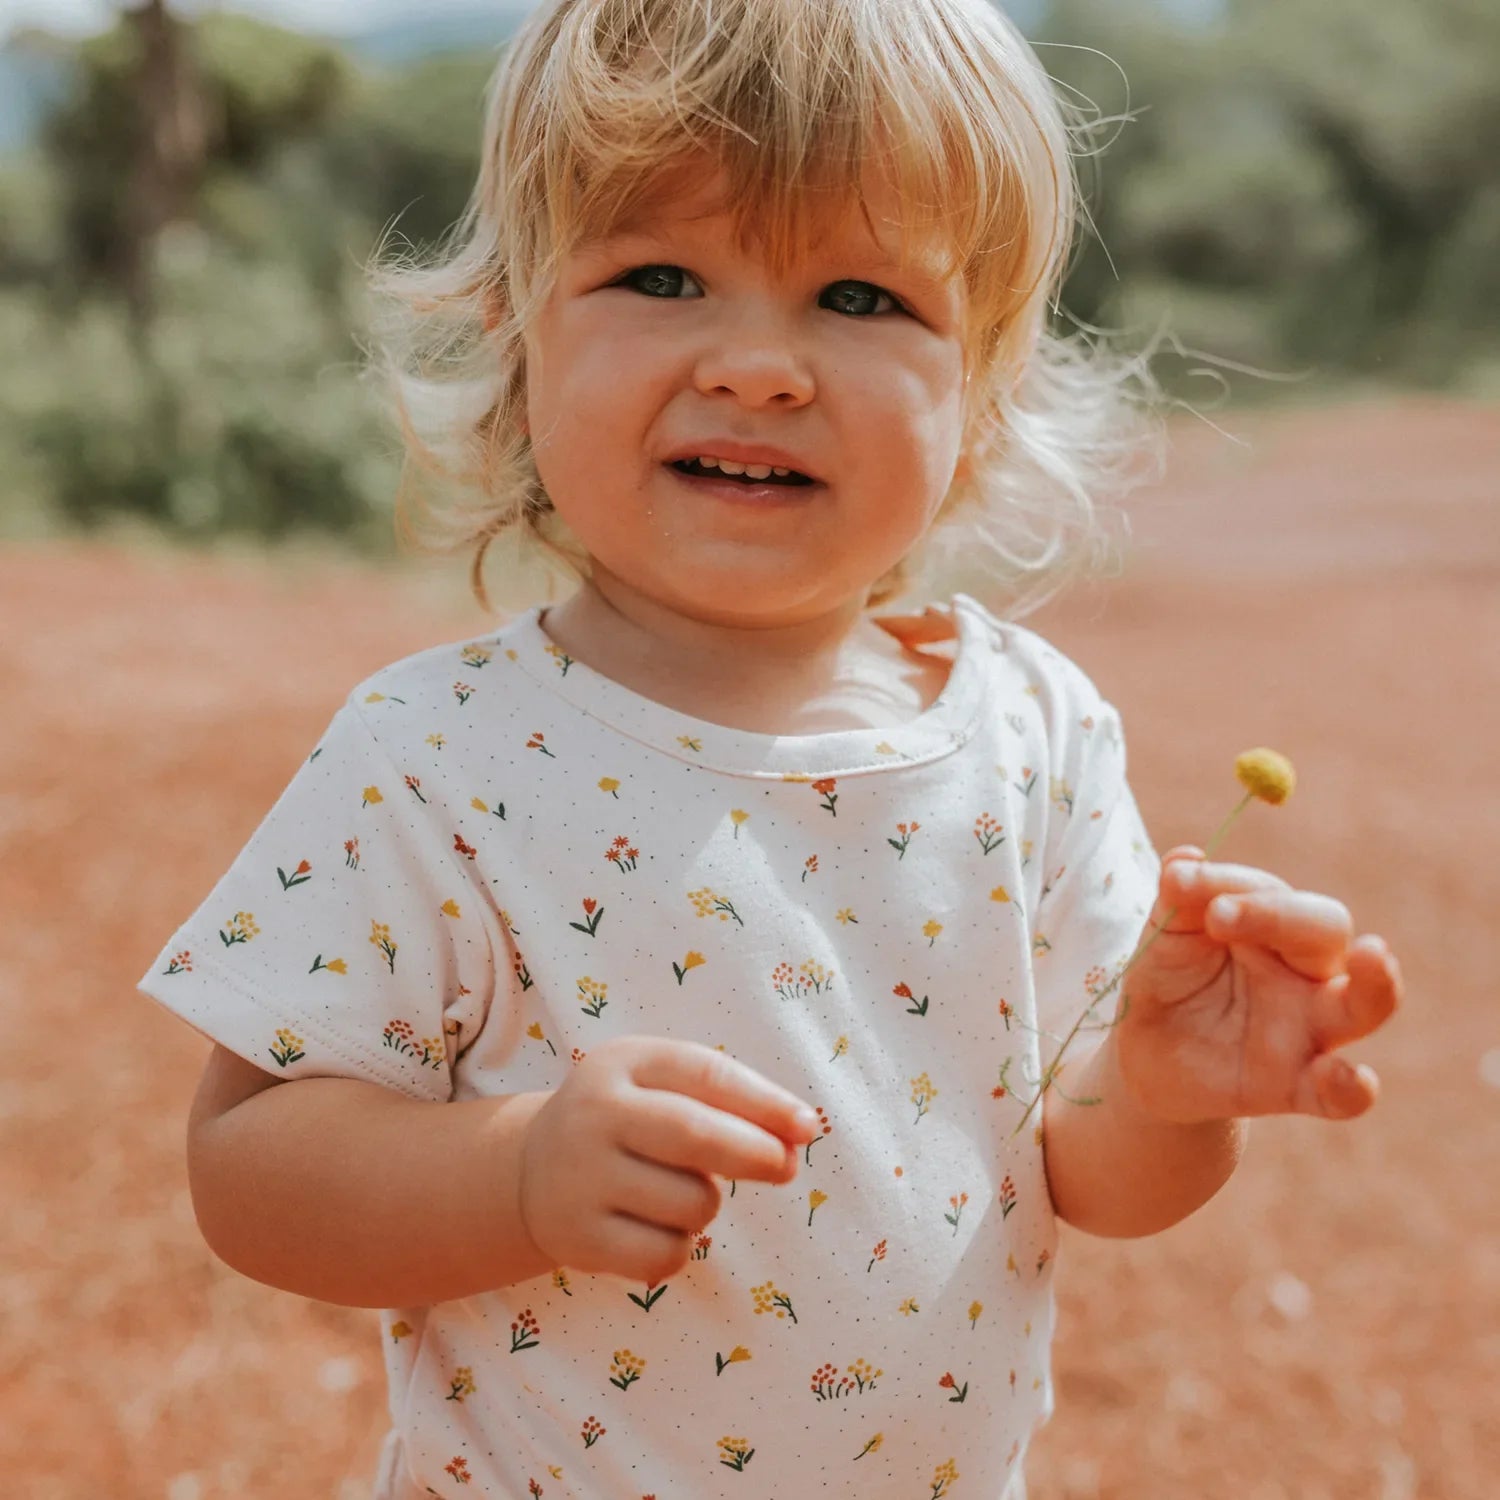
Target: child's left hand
<point x="1224" y="1022"/>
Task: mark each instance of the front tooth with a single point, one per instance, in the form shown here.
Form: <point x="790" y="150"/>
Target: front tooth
<point x="729" y="467"/>
<point x="781" y="473"/>
<point x="757" y="471"/>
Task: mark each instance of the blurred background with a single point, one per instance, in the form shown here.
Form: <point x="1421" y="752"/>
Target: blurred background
<point x="197" y="562"/>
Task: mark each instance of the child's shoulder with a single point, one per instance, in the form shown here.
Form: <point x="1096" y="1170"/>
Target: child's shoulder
<point x="435" y="683"/>
<point x="1030" y="663"/>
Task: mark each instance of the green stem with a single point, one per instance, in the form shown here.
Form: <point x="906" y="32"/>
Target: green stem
<point x="1046" y="1080"/>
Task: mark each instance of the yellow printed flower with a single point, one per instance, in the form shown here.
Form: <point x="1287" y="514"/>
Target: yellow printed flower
<point x="380" y="935"/>
<point x="840" y="1047"/>
<point x="436" y="741"/>
<point x="401" y="1330"/>
<point x="946" y="1472"/>
<point x="240" y="928"/>
<point x="479" y="805"/>
<point x="337" y="966"/>
<point x="706" y="902"/>
<point x="591" y="994"/>
<point x="288" y="1048"/>
<point x="461" y="1383"/>
<point x="693" y="960"/>
<point x="908" y="1307"/>
<point x="610" y="785"/>
<point x="374" y="697"/>
<point x="922" y="1093"/>
<point x="737" y="1355"/>
<point x="689" y="743"/>
<point x="737" y="1452"/>
<point x="449" y="908"/>
<point x="768" y="1298"/>
<point x="846" y="916"/>
<point x="975" y="1308"/>
<point x="372" y="796"/>
<point x="737" y="816"/>
<point x="534" y="1031"/>
<point x="872" y="1446"/>
<point x="625" y="1367"/>
<point x="816" y="1199"/>
<point x="999" y="894"/>
<point x="930" y="931"/>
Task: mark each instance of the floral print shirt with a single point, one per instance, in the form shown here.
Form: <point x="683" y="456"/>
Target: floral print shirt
<point x="497" y="858"/>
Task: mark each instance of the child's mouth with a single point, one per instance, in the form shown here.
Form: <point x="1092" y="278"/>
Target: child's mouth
<point x="692" y="468"/>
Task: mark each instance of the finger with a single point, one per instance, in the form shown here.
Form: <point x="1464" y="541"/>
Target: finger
<point x="1335" y="1089"/>
<point x="641" y="1251"/>
<point x="715" y="1078"/>
<point x="1310" y="933"/>
<point x="674" y="1130"/>
<point x="1353" y="1004"/>
<point x="662" y="1195"/>
<point x="1188" y="884"/>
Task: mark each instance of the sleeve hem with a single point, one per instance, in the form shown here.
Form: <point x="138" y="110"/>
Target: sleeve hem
<point x="188" y="1004"/>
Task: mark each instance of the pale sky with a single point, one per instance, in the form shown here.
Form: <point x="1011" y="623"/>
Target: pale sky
<point x="311" y="15"/>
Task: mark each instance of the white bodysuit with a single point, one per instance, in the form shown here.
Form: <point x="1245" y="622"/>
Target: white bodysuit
<point x="496" y="859"/>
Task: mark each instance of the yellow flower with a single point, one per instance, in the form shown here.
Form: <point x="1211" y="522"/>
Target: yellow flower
<point x="975" y="1308"/>
<point x="337" y="965"/>
<point x="931" y="929"/>
<point x="449" y="908"/>
<point x="479" y="806"/>
<point x="999" y="894"/>
<point x="608" y="784"/>
<point x="735" y="1355"/>
<point x="1265" y="774"/>
<point x="738" y="815"/>
<point x="374" y="697"/>
<point x="372" y="795"/>
<point x="846" y="915"/>
<point x="534" y="1031"/>
<point x="693" y="960"/>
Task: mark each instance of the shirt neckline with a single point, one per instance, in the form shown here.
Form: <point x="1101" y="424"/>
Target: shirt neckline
<point x="946" y="724"/>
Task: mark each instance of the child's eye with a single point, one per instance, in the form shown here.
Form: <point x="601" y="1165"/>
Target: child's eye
<point x="657" y="281"/>
<point x="855" y="298"/>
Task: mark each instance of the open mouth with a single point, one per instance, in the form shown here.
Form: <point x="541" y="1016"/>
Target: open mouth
<point x="695" y="470"/>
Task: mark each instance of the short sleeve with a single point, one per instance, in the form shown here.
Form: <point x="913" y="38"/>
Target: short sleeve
<point x="1099" y="872"/>
<point x="343" y="933"/>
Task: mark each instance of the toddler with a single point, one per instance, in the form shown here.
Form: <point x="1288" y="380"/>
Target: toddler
<point x="639" y="1004"/>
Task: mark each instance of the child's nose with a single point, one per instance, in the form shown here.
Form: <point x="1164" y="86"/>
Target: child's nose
<point x="756" y="366"/>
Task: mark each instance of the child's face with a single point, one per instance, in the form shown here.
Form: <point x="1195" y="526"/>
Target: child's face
<point x="850" y="368"/>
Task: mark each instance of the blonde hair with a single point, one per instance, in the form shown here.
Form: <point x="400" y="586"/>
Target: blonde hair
<point x="593" y="108"/>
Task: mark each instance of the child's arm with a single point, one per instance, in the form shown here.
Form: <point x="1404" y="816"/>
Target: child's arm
<point x="1221" y="1020"/>
<point x="345" y="1192"/>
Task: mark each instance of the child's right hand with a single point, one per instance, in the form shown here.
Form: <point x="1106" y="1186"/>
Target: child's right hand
<point x="617" y="1167"/>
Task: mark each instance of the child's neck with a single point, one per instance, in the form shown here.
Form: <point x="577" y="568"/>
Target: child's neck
<point x="838" y="673"/>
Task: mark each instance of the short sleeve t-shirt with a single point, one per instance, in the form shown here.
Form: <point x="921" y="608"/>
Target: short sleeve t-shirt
<point x="496" y="859"/>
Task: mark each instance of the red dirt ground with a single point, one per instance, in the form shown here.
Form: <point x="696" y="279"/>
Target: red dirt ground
<point x="1327" y="1329"/>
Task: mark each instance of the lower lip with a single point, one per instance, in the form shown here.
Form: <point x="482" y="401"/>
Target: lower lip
<point x="737" y="493"/>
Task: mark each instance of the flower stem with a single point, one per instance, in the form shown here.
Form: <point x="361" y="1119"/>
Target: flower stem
<point x="1052" y="1070"/>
